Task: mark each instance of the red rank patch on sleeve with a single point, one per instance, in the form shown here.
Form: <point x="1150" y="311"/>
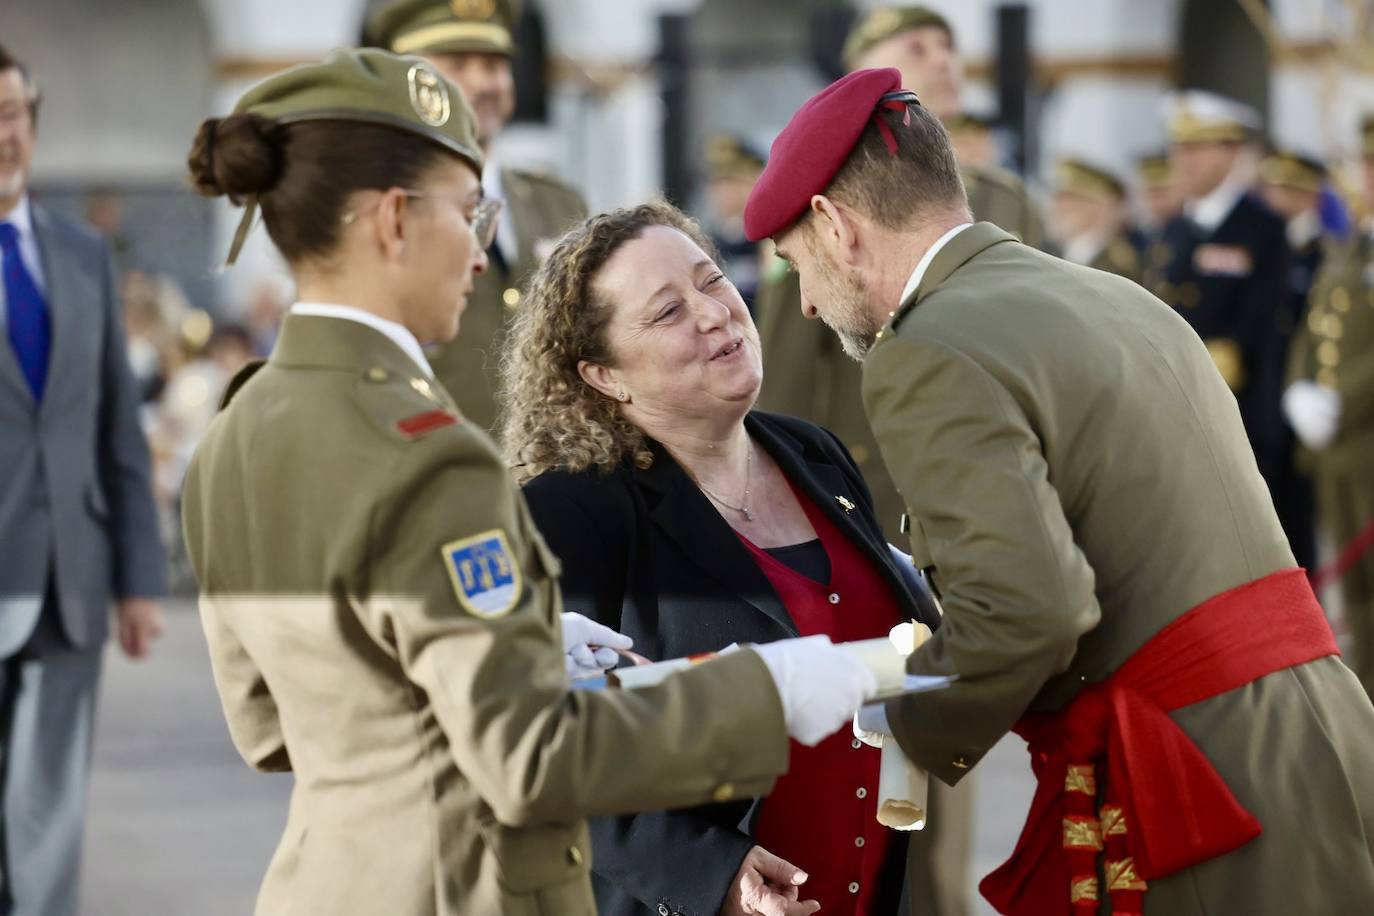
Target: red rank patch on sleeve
<point x="421" y="423"/>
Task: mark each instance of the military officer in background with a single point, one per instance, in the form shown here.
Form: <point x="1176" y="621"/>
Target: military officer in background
<point x="732" y="167"/>
<point x="1159" y="202"/>
<point x="920" y="43"/>
<point x="470" y="42"/>
<point x="1291" y="184"/>
<point x="1089" y="219"/>
<point x="1330" y="403"/>
<point x="1115" y="583"/>
<point x="1223" y="264"/>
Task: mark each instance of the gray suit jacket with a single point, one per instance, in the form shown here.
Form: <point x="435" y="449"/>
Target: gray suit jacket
<point x="75" y="492"/>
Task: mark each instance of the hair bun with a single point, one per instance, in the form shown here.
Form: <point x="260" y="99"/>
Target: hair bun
<point x="238" y="156"/>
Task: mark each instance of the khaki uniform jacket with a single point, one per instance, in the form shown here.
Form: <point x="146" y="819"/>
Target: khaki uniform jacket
<point x="1334" y="346"/>
<point x="442" y="767"/>
<point x="1078" y="477"/>
<point x="468" y="367"/>
<point x="806" y="374"/>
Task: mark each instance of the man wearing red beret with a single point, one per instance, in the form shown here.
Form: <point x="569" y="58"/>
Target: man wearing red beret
<point x="1116" y="584"/>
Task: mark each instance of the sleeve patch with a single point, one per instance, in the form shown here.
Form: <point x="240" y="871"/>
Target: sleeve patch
<point x="485" y="578"/>
<point x="421" y="423"/>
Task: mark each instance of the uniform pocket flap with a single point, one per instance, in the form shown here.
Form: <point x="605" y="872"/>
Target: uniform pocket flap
<point x="529" y="859"/>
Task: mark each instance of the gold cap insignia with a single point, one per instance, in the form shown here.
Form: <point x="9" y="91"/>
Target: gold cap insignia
<point x="473" y="9"/>
<point x="429" y="95"/>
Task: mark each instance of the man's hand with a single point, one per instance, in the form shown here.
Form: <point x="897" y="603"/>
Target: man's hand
<point x="767" y="886"/>
<point x="141" y="621"/>
<point x="589" y="647"/>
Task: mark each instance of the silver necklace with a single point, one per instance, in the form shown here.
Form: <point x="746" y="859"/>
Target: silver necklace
<point x="743" y="507"/>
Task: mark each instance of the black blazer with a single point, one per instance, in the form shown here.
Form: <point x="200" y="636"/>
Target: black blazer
<point x="645" y="551"/>
<point x="1249" y="307"/>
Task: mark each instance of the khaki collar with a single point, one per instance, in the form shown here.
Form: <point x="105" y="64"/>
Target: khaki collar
<point x="317" y="342"/>
<point x="957" y="252"/>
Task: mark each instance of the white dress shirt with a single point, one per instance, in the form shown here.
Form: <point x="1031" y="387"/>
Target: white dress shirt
<point x="21" y="218"/>
<point x="1209" y="212"/>
<point x="398" y="333"/>
<point x="917" y="275"/>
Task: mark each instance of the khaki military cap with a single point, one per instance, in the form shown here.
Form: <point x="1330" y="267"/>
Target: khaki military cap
<point x="886" y="21"/>
<point x="729" y="156"/>
<point x="375" y="87"/>
<point x="1074" y="176"/>
<point x="1155" y="170"/>
<point x="445" y="26"/>
<point x="1367" y="136"/>
<point x="1290" y="169"/>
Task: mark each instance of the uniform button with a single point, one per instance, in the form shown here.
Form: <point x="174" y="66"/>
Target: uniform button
<point x="859" y="841"/>
<point x="724" y="792"/>
<point x="961" y="763"/>
<point x="861" y="792"/>
<point x="1328" y="354"/>
<point x="859" y="454"/>
<point x="574" y="855"/>
<point x="662" y="910"/>
<point x="853" y="887"/>
<point x="856" y="744"/>
<point x="376" y="374"/>
<point x="1340" y="299"/>
<point x="834" y="598"/>
<point x="511" y="297"/>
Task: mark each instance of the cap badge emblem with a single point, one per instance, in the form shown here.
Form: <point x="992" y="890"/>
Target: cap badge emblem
<point x="429" y="95"/>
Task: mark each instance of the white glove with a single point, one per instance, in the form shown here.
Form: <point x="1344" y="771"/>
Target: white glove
<point x="1314" y="412"/>
<point x="590" y="646"/>
<point x="821" y="686"/>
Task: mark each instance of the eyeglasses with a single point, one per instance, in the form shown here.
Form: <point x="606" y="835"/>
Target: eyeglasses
<point x="484" y="220"/>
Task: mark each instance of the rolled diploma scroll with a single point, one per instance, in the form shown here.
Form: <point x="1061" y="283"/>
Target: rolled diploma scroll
<point x="903" y="787"/>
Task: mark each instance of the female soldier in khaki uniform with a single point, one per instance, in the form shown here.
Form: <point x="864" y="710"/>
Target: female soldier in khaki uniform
<point x="380" y="611"/>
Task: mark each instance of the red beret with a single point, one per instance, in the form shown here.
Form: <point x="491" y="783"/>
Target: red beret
<point x="812" y="147"/>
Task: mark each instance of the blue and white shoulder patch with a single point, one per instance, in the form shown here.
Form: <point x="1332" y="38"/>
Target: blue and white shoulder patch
<point x="485" y="578"/>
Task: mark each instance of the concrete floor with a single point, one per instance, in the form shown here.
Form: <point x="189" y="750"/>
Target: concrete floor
<point x="179" y="826"/>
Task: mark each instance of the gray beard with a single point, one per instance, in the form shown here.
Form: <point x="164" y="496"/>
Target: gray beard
<point x="853" y="323"/>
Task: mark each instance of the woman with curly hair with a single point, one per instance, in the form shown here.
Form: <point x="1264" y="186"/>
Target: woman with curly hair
<point x="688" y="521"/>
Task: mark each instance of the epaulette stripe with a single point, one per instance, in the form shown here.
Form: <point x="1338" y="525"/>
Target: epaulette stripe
<point x="425" y="422"/>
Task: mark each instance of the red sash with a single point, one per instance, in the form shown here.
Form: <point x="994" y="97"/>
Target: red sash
<point x="1165" y="807"/>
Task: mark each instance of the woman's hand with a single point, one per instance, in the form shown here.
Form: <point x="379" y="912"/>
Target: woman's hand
<point x="767" y="886"/>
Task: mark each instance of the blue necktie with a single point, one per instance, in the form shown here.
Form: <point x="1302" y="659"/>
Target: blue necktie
<point x="28" y="325"/>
